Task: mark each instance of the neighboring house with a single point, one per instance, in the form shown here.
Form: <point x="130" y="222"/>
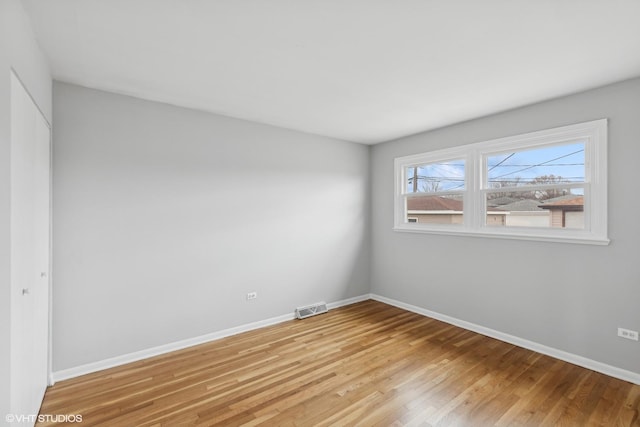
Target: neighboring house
<point x="444" y="210"/>
<point x="522" y="213"/>
<point x="566" y="211"/>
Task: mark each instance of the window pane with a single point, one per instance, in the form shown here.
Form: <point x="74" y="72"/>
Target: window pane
<point x="435" y="177"/>
<point x="434" y="210"/>
<point x="555" y="164"/>
<point x="537" y="209"/>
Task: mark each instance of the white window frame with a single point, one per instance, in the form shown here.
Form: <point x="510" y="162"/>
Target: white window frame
<point x="594" y="135"/>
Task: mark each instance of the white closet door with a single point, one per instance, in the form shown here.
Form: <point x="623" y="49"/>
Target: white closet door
<point x="30" y="251"/>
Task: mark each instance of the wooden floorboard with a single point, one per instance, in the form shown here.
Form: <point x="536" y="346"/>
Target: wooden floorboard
<point x="366" y="364"/>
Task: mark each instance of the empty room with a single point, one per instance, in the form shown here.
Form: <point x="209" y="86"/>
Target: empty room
<point x="319" y="213"/>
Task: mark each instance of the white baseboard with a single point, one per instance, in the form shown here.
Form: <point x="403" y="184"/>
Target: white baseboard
<point x="612" y="371"/>
<point x="179" y="345"/>
<point x="348" y="301"/>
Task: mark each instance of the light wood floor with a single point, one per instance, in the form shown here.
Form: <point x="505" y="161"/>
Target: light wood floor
<point x="366" y="364"/>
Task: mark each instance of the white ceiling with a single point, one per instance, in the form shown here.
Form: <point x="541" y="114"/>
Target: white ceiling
<point x="359" y="70"/>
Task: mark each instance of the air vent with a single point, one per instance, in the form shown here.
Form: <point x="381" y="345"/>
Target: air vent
<point x="311" y="310"/>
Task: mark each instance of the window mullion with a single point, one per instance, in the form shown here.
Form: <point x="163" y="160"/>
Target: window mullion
<point x="472" y="207"/>
<point x="481" y="177"/>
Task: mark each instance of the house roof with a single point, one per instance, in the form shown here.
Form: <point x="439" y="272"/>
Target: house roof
<point x="433" y="203"/>
<point x="564" y="202"/>
<point x="437" y="203"/>
<point x="525" y="205"/>
<point x="500" y="201"/>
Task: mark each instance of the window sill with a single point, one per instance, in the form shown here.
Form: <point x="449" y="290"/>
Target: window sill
<point x="574" y="238"/>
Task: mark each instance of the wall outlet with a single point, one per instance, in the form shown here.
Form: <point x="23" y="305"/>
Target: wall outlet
<point x="628" y="334"/>
<point x="254" y="295"/>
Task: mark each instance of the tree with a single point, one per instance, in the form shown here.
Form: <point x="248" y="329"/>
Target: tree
<point x="552" y="192"/>
<point x="514" y="182"/>
<point x="431" y="185"/>
<point x="521" y="192"/>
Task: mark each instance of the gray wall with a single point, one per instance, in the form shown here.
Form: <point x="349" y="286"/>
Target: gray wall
<point x="164" y="218"/>
<point x="19" y="51"/>
<point x="567" y="296"/>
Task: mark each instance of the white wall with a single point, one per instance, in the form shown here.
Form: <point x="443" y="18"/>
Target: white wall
<point x="164" y="218"/>
<point x="565" y="296"/>
<point x="19" y="51"/>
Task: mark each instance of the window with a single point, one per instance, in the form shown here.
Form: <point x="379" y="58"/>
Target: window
<point x="435" y="192"/>
<point x="548" y="185"/>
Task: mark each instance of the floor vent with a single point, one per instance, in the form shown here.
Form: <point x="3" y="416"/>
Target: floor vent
<point x="311" y="310"/>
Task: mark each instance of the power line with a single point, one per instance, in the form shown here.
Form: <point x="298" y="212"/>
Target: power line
<point x="495" y="179"/>
<point x="501" y="162"/>
<point x="517" y="179"/>
<point x="539" y="164"/>
<point x="501" y="165"/>
<point x="546" y="165"/>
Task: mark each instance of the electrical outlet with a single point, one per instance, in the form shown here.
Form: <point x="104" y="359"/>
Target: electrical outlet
<point x="252" y="295"/>
<point x="628" y="334"/>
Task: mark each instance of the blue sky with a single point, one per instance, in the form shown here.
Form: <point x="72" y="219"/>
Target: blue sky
<point x="441" y="176"/>
<point x="566" y="161"/>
